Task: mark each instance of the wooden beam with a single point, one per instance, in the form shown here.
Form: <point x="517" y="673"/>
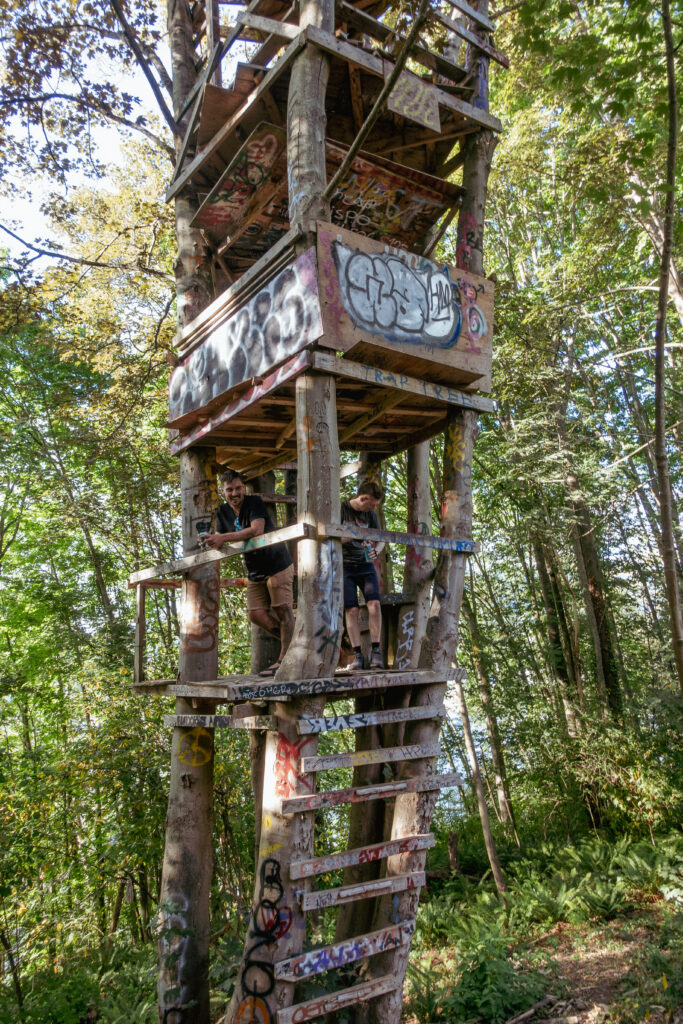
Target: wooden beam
<point x="375" y="66"/>
<point x="139" y="653"/>
<point x="295" y="532"/>
<point x="360" y="794"/>
<point x="318" y="1007"/>
<point x="349" y="531"/>
<point x="386" y="403"/>
<point x="355" y="758"/>
<point x="328" y="958"/>
<point x="472" y="38"/>
<point x="366" y="718"/>
<point x="361" y="855"/>
<point x="272" y="27"/>
<point x="363" y="891"/>
<point x="473" y="13"/>
<point x="327" y="363"/>
<point x="220" y="722"/>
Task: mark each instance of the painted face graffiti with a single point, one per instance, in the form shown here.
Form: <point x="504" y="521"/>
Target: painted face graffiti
<point x="386" y="296"/>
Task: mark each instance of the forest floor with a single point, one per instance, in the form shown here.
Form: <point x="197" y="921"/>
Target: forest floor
<point x="627" y="970"/>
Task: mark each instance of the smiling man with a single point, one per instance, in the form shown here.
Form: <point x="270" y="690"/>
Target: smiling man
<point x="270" y="570"/>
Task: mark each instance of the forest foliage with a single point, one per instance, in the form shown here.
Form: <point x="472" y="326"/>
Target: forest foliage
<point x="565" y="628"/>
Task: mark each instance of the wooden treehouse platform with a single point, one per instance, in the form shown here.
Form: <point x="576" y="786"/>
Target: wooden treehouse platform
<point x="326" y="334"/>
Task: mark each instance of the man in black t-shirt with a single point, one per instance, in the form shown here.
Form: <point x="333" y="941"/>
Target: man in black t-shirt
<point x="360" y="573"/>
<point x="270" y="571"/>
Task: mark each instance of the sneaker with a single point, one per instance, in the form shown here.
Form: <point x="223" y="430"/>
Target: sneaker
<point x="376" y="660"/>
<point x="357" y="665"/>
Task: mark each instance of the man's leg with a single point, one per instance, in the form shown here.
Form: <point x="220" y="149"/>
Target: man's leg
<point x="375" y="620"/>
<point x="266" y="620"/>
<point x="258" y="608"/>
<point x="352" y="627"/>
<point x="372" y="596"/>
<point x="351" y="617"/>
<point x="281" y="597"/>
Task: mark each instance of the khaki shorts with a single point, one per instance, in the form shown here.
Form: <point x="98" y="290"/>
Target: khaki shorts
<point x="274" y="592"/>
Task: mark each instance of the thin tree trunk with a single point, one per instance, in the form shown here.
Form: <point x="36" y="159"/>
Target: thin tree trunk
<point x="661" y="459"/>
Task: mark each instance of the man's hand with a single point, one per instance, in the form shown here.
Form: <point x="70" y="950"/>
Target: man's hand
<point x="213" y="541"/>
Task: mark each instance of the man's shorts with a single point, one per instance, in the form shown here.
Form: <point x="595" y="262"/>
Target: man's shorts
<point x="363" y="577"/>
<point x="274" y="592"/>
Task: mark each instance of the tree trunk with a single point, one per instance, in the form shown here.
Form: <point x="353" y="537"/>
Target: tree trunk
<point x="184" y="924"/>
<point x="486" y="696"/>
<point x="661" y="459"/>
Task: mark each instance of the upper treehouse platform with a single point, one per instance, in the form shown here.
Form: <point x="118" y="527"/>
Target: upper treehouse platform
<point x="404" y="336"/>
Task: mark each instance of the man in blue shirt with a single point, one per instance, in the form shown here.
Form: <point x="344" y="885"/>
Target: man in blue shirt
<point x="270" y="570"/>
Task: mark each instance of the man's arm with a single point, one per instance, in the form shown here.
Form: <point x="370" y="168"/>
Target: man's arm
<point x="217" y="540"/>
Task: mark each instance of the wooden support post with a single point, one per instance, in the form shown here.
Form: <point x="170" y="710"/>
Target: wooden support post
<point x="277" y="927"/>
<point x="139" y="654"/>
<point x="184" y="931"/>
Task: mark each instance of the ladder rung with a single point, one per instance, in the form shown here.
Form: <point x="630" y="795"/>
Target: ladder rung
<point x="360" y="855"/>
<point x="358" y="794"/>
<point x="361" y="890"/>
<point x="337" y="1000"/>
<point x="360" y="721"/>
<point x="339" y="953"/>
<point x="355" y="758"/>
<point x="220" y="722"/>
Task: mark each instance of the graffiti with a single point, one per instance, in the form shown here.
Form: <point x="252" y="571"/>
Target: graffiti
<point x="404" y="648"/>
<point x="195" y="747"/>
<point x="414" y="99"/>
<point x="323" y="684"/>
<point x="474" y="320"/>
<point x="176" y="949"/>
<point x="454" y="446"/>
<point x="228" y="203"/>
<point x="286" y="765"/>
<point x="469" y="238"/>
<point x="357" y="758"/>
<point x="292" y="368"/>
<point x="329" y="573"/>
<point x="349" y="893"/>
<point x="331" y="957"/>
<point x="269" y="923"/>
<point x="384" y="295"/>
<point x="360" y="794"/>
<point x="199" y="615"/>
<point x="281" y="319"/>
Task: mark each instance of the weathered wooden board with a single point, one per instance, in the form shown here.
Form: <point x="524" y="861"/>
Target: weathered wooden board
<point x="281" y="29"/>
<point x="386" y="379"/>
<point x="220" y="722"/>
<point x="388" y="201"/>
<point x="355" y="758"/>
<point x="473" y="13"/>
<point x="361" y="855"/>
<point x="473" y="39"/>
<point x="362" y="720"/>
<point x="415" y="99"/>
<point x="139" y="653"/>
<point x="327" y="958"/>
<point x="294" y="532"/>
<point x="236" y="194"/>
<point x="280" y="320"/>
<point x="402" y="312"/>
<point x="417" y="540"/>
<point x="287" y="372"/>
<point x="318" y="1007"/>
<point x="359" y="794"/>
<point x="364" y="890"/>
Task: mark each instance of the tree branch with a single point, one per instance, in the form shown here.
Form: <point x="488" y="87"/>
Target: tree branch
<point x="82" y="261"/>
<point x="137" y="50"/>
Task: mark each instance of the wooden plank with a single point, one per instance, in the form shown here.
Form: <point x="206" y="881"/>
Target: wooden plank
<point x="362" y="891"/>
<point x="321" y="1005"/>
<point x="362" y="720"/>
<point x="416" y="540"/>
<point x="139" y="652"/>
<point x="220" y="722"/>
<point x="373" y="375"/>
<point x="361" y="855"/>
<point x="472" y="38"/>
<point x="295" y="532"/>
<point x="388" y="402"/>
<point x="360" y="794"/>
<point x="356" y="758"/>
<point x="375" y="66"/>
<point x="328" y="958"/>
<point x="272" y="27"/>
<point x="229" y="127"/>
<point x="473" y="13"/>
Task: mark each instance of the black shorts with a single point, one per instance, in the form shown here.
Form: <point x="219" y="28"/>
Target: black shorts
<point x="363" y="577"/>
